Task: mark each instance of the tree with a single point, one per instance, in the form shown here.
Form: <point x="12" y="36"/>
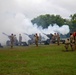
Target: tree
<point x="73" y="22"/>
<point x="59" y="20"/>
<point x="46" y="20"/>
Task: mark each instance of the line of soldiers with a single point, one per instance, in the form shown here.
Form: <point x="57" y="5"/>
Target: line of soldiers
<point x="71" y="41"/>
<point x="55" y="38"/>
<point x="13" y="39"/>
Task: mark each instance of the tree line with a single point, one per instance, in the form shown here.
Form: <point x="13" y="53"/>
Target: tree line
<point x="47" y="19"/>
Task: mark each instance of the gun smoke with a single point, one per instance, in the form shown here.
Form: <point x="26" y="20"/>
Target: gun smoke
<point x="17" y="23"/>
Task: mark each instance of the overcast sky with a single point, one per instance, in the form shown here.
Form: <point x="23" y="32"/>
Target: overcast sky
<point x="34" y="8"/>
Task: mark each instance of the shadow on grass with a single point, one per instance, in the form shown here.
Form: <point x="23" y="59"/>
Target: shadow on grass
<point x="68" y="50"/>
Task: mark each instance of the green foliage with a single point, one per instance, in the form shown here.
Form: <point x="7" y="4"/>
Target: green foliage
<point x="42" y="60"/>
<point x="73" y="22"/>
<point x="59" y="20"/>
<point x="42" y="20"/>
<point x="46" y="20"/>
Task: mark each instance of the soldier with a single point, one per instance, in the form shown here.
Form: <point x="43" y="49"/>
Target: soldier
<point x="67" y="43"/>
<point x="74" y="35"/>
<point x="20" y="39"/>
<point x="54" y="38"/>
<point x="55" y="35"/>
<point x="12" y="40"/>
<point x="15" y="41"/>
<point x="58" y="39"/>
<point x="36" y="39"/>
<point x="75" y="40"/>
<point x="72" y="41"/>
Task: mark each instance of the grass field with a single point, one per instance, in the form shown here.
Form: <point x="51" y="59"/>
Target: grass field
<point x="42" y="60"/>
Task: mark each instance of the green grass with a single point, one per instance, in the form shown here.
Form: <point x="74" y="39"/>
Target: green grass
<point x="42" y="60"/>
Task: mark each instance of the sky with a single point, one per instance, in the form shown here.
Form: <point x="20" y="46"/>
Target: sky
<point x="34" y="8"/>
<point x="16" y="15"/>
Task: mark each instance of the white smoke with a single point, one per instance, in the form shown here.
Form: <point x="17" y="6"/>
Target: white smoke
<point x="56" y="29"/>
<point x="19" y="24"/>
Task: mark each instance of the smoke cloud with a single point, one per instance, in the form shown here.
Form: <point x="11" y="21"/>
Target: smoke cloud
<point x="18" y="23"/>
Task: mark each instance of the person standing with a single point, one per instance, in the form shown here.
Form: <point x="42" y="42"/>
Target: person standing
<point x="12" y="40"/>
<point x="58" y="39"/>
<point x="20" y="39"/>
<point x="72" y="41"/>
<point x="15" y="41"/>
<point x="36" y="39"/>
<point x="74" y="35"/>
<point x="54" y="36"/>
<point x="67" y="43"/>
